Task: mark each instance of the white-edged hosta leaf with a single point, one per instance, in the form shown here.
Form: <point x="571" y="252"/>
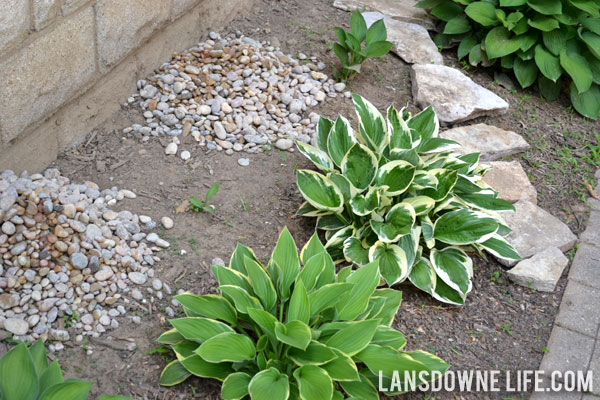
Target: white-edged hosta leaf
<point x="336" y="238"/>
<point x="269" y="384"/>
<point x="400" y="137"/>
<point x="486" y="202"/>
<point x="410" y="244"/>
<point x="331" y="222"/>
<point x="437" y="144"/>
<point x="398" y="221"/>
<point x="423" y="276"/>
<point x="341" y="139"/>
<point x="393" y="264"/>
<point x="354" y="252"/>
<point x="427" y="230"/>
<point x="344" y="185"/>
<point x="365" y="204"/>
<point x="319" y="191"/>
<point x="464" y="226"/>
<point x="424" y="180"/>
<point x="323" y="128"/>
<point x="421" y="204"/>
<point x="372" y="124"/>
<point x="228" y="346"/>
<point x="424" y="126"/>
<point x="499" y="247"/>
<point x="446" y="181"/>
<point x="307" y="210"/>
<point x="454" y="267"/>
<point x="359" y="166"/>
<point x="318" y="157"/>
<point x="446" y="294"/>
<point x="314" y="382"/>
<point x="396" y="175"/>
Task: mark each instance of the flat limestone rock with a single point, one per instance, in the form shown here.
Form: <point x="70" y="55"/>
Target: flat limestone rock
<point x="490" y="141"/>
<point x="412" y="42"/>
<point x="401" y="10"/>
<point x="534" y="230"/>
<point x="453" y="95"/>
<point x="540" y="272"/>
<point x="511" y="181"/>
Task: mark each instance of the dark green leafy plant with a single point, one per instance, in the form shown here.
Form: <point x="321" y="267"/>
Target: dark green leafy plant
<point x="350" y="50"/>
<point x="290" y="332"/>
<point x="198" y="205"/>
<point x="394" y="192"/>
<point x="553" y="42"/>
<point x="26" y="375"/>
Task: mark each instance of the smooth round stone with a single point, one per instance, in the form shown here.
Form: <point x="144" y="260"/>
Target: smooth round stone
<point x="284" y="144"/>
<point x="204" y="109"/>
<point x="157" y="284"/>
<point x="104" y="274"/>
<point x="244" y="162"/>
<point x="137" y="277"/>
<point x="136" y="294"/>
<point x="152" y="237"/>
<point x="104" y="320"/>
<point x="87" y="319"/>
<point x="167" y="222"/>
<point x="9" y="228"/>
<point x="16" y="326"/>
<point x="185" y="155"/>
<point x="79" y="260"/>
<point x="171" y="149"/>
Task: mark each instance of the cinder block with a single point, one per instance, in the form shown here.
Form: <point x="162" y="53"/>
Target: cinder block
<point x="123" y="25"/>
<point x="14" y="21"/>
<point x="579" y="309"/>
<point x="44" y="11"/>
<point x="569" y="351"/>
<point x="40" y="78"/>
<point x="586" y="265"/>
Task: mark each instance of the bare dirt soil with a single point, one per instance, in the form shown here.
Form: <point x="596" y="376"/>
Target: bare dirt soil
<point x="502" y="326"/>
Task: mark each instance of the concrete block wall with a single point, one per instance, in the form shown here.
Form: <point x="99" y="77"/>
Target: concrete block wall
<point x="66" y="65"/>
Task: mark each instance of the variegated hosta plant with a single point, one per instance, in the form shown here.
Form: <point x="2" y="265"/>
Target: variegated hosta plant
<point x="283" y="331"/>
<point x="395" y="192"/>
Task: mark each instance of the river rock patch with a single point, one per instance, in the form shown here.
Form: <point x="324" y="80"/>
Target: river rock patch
<point x="67" y="260"/>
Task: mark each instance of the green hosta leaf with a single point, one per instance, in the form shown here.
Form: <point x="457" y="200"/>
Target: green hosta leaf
<point x="266" y="321"/>
<point x="326" y="296"/>
<point x="589" y="6"/>
<point x="261" y="282"/>
<point x="299" y="308"/>
<point x="269" y="384"/>
<point x="228" y="276"/>
<point x="385" y="336"/>
<point x="341" y="139"/>
<point x="486" y="202"/>
<point x="324" y="127"/>
<point x="548" y="89"/>
<point x="72" y="389"/>
<point x="499" y="247"/>
<point x="499" y="43"/>
<point x="18" y="378"/>
<point x="210" y="306"/>
<point x="199" y="329"/>
<point x="359" y="166"/>
<point x="593" y="24"/>
<point x="361" y="389"/>
<point x="354" y="251"/>
<point x="396" y="175"/>
<point x="38" y="356"/>
<point x="592" y="41"/>
<point x="464" y="227"/>
<point x="378" y="49"/>
<point x="204" y="369"/>
<point x="457" y="25"/>
<point x="365" y="280"/>
<point x="372" y="125"/>
<point x="556" y="40"/>
<point x="184" y="349"/>
<point x="476" y="55"/>
<point x="235" y="386"/>
<point x="319" y="191"/>
<point x="341" y="51"/>
<point x="385" y="361"/>
<point x="51" y="376"/>
<point x="170" y="337"/>
<point x="482" y="12"/>
<point x="365" y="204"/>
<point x="376" y="32"/>
<point x="392" y="261"/>
<point x="577" y="67"/>
<point x="240" y="297"/>
<point x="421" y="204"/>
<point x="294" y="333"/>
<point x="547" y="7"/>
<point x="358" y="26"/>
<point x="173" y="374"/>
<point x="352" y="42"/>
<point x="512" y="20"/>
<point x="313" y="383"/>
<point x="355" y="337"/>
<point x="586" y="103"/>
<point x="311" y="271"/>
<point x="227" y="346"/>
<point x="237" y="258"/>
<point x="307" y="210"/>
<point x="543" y="23"/>
<point x="342" y="368"/>
<point x="454" y="267"/>
<point x="548" y="64"/>
<point x="315" y="354"/>
<point x="447" y="10"/>
<point x="285" y="255"/>
<point x="398" y="222"/>
<point x="319" y="157"/>
<point x="465" y="46"/>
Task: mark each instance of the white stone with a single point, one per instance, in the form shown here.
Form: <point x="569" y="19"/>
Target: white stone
<point x="185" y="155"/>
<point x="171" y="149"/>
<point x="167" y="222"/>
<point x="453" y="95"/>
<point x="540" y="272"/>
<point x="137" y="277"/>
<point x="16" y="326"/>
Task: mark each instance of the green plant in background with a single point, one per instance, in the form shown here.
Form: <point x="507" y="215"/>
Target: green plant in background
<point x="198" y="205"/>
<point x="26" y="375"/>
<point x="287" y="331"/>
<point x="349" y="48"/>
<point x="394" y="193"/>
<point x="553" y="42"/>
